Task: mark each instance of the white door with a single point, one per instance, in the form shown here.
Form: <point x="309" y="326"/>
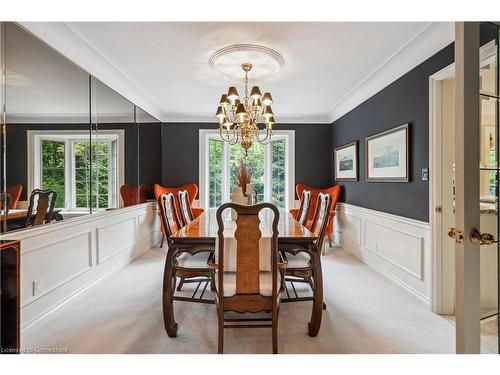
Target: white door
<point x="477" y="187"/>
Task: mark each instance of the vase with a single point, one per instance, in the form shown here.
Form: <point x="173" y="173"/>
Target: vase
<point x="237" y="197"/>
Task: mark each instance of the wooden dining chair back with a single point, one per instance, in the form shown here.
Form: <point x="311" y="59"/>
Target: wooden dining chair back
<point x="5" y="203"/>
<point x="15" y="192"/>
<point x="321" y="218"/>
<point x="184" y="207"/>
<point x="246" y="276"/>
<point x="192" y="190"/>
<point x="168" y="215"/>
<point x="305" y="205"/>
<point x="188" y="267"/>
<point x="300" y="268"/>
<point x="41" y="207"/>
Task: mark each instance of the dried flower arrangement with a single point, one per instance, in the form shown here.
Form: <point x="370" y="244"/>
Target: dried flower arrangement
<point x="243" y="176"/>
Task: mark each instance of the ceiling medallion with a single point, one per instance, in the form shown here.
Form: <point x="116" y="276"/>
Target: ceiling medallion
<point x="238" y="120"/>
<point x="227" y="60"/>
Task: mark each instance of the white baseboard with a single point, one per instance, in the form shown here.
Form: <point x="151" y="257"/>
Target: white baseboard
<point x="397" y="247"/>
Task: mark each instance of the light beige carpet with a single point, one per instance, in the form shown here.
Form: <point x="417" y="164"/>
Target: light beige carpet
<point x="122" y="314"/>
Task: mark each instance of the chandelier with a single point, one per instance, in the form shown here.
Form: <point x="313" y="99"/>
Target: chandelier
<point x="238" y="121"/>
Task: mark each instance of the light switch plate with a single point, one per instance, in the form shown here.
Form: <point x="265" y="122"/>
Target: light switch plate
<point x="425" y="174"/>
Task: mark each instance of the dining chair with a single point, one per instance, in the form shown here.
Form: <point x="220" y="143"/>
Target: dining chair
<point x="189" y="268"/>
<point x="305" y="205"/>
<point x="299" y="267"/>
<point x="192" y="190"/>
<point x="334" y="192"/>
<point x="41" y="207"/>
<point x="184" y="207"/>
<point x="15" y="192"/>
<point x="5" y="204"/>
<point x="248" y="274"/>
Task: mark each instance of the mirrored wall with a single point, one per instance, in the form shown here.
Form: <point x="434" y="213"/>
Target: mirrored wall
<point x="71" y="145"/>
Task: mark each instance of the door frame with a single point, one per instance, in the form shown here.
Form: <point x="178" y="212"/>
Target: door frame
<point x="440" y="286"/>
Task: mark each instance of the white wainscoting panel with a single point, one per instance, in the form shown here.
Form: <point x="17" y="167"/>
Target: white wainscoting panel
<point x="113" y="238"/>
<point x="396" y="246"/>
<point x="66" y="257"/>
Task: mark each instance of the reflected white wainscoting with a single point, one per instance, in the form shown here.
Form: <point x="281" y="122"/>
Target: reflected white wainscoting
<point x="63" y="258"/>
<point x="396" y="246"/>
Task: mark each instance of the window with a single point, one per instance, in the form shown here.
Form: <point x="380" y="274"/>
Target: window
<point x="62" y="161"/>
<point x="272" y="169"/>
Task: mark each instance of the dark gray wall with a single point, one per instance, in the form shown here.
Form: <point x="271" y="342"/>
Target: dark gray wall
<point x="313" y="152"/>
<point x="404" y="101"/>
<point x="149" y="160"/>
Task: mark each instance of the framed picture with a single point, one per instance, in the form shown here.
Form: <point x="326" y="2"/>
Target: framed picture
<point x="346" y="162"/>
<point x="386" y="155"/>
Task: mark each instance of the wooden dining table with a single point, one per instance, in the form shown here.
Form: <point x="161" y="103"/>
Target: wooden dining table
<point x="200" y="234"/>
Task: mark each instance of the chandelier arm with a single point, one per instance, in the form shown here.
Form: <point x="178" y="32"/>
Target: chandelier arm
<point x="266" y="138"/>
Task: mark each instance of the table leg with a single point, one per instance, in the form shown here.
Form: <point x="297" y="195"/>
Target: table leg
<point x="317" y="310"/>
<point x="168" y="291"/>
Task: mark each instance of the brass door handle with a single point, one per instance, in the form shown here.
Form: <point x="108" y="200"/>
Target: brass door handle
<point x="456" y="234"/>
<point x="479" y="238"/>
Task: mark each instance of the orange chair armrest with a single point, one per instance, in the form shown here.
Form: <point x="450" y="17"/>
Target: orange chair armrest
<point x="197" y="211"/>
<point x="294" y="212"/>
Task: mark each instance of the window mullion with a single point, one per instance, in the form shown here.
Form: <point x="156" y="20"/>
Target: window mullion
<point x="226" y="196"/>
<point x="267" y="173"/>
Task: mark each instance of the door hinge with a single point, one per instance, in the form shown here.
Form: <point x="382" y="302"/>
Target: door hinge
<point x="438" y="209"/>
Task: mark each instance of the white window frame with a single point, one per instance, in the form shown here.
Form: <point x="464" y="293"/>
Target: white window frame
<point x="35" y="138"/>
<point x="288" y="135"/>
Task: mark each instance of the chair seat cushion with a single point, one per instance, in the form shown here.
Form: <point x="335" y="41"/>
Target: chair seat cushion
<point x="198" y="260"/>
<point x="301" y="260"/>
<point x="265" y="282"/>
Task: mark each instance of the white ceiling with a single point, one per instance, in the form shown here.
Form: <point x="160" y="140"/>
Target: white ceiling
<point x="330" y="67"/>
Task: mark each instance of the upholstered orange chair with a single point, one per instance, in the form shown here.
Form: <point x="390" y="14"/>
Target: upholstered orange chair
<point x="334" y="191"/>
<point x="15" y="192"/>
<point x="192" y="190"/>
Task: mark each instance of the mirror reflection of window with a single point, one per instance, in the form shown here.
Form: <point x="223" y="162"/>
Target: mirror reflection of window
<point x="47" y="94"/>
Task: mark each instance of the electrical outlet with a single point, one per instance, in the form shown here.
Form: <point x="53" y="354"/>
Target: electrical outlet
<point x="37" y="286"/>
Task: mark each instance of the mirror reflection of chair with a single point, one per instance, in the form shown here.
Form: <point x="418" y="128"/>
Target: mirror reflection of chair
<point x="299" y="268"/>
<point x="129" y="194"/>
<point x="132" y="195"/>
<point x="15" y="192"/>
<point x="246" y="277"/>
<point x="5" y="203"/>
<point x="189" y="268"/>
<point x="41" y="207"/>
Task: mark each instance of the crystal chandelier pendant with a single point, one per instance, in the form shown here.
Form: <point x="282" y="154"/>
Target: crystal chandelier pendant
<point x="239" y="120"/>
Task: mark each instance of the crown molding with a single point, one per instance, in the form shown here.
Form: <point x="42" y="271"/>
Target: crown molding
<point x="423" y="45"/>
<point x="69" y="118"/>
<point x="61" y="37"/>
<point x="283" y="119"/>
